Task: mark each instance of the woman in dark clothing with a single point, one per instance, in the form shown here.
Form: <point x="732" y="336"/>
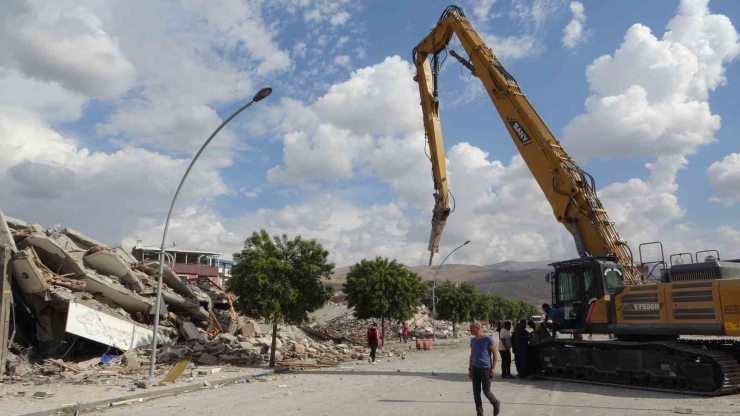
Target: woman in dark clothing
<point x="520" y="343"/>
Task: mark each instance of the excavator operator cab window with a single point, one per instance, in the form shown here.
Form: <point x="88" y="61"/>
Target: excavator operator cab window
<point x="575" y="286"/>
<point x="612" y="279"/>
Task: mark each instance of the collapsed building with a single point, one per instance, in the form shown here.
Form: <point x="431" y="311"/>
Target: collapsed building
<point x="75" y="296"/>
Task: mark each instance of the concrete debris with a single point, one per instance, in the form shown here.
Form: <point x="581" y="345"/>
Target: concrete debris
<point x="79" y="299"/>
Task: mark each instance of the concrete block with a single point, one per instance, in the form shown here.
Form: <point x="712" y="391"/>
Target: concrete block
<point x="108" y="263"/>
<point x="190" y="331"/>
<point x="26" y="275"/>
<point x="207" y="359"/>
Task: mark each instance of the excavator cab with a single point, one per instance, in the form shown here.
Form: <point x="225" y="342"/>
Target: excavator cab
<point x="578" y="283"/>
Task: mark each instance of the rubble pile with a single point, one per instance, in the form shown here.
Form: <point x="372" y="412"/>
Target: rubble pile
<point x="68" y="284"/>
<point x="346" y="328"/>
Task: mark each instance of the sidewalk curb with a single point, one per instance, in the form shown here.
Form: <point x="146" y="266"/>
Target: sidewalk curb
<point x="147" y="395"/>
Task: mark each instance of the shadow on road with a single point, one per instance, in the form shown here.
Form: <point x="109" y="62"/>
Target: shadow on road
<point x="636" y="409"/>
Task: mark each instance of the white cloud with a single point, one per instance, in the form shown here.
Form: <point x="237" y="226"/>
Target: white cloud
<point x="382" y="98"/>
<point x="71" y="49"/>
<point x="481" y="8"/>
<point x="650" y="99"/>
<point x="328" y="154"/>
<point x="343" y="60"/>
<point x="189" y="64"/>
<point x="48" y="100"/>
<point x="724" y="176"/>
<point x="251" y="194"/>
<point x="339" y="19"/>
<point x="512" y="47"/>
<point x="299" y="50"/>
<point x="49" y="178"/>
<point x="573" y="32"/>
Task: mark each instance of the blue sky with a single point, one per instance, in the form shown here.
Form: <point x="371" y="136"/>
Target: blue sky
<point x="107" y="102"/>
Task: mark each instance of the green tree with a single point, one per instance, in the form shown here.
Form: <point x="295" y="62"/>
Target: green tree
<point x="482" y="307"/>
<point x="455" y="303"/>
<point x="279" y="280"/>
<point x="383" y="289"/>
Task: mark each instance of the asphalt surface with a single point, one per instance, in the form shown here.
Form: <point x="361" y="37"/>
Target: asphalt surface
<point x="425" y="383"/>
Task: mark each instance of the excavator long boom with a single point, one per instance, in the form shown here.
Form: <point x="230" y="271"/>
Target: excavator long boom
<point x="568" y="188"/>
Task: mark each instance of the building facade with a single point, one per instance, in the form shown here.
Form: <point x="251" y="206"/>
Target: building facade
<point x="189" y="265"/>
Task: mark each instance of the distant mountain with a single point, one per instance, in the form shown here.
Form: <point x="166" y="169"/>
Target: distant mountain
<point x="510" y="279"/>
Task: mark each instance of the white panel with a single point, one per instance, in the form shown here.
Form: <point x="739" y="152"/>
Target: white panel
<point x="106" y="329"/>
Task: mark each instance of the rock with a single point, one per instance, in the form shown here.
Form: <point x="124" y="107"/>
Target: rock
<point x="207" y="359"/>
<point x="142" y="385"/>
<point x="42" y="394"/>
<point x="206" y="383"/>
<point x="246" y="346"/>
<point x="228" y="338"/>
<point x="299" y="348"/>
<point x="130" y="361"/>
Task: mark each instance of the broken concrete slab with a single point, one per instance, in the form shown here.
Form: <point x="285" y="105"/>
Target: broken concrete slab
<point x="190" y="307"/>
<point x="250" y="329"/>
<point x="27" y="275"/>
<point x="207" y="359"/>
<point x="124" y="255"/>
<point x="6" y="238"/>
<point x="80" y="238"/>
<point x="151" y="267"/>
<point x="230" y="339"/>
<point x="53" y="256"/>
<point x="190" y="332"/>
<point x="107" y="329"/>
<point x="126" y="299"/>
<point x="108" y="263"/>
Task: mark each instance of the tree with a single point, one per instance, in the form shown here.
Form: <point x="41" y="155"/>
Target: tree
<point x="482" y="307"/>
<point x="383" y="289"/>
<point x="279" y="280"/>
<point x="455" y="303"/>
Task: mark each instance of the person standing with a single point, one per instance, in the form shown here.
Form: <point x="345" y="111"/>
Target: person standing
<point x="372" y="341"/>
<point x="481" y="368"/>
<point x="520" y="342"/>
<point x="504" y="349"/>
<point x="555" y="316"/>
<point x="405" y="332"/>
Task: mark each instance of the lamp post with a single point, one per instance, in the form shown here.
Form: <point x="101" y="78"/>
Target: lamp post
<point x="261" y="94"/>
<point x="434" y="286"/>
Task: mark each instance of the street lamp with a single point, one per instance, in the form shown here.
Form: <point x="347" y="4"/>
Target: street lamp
<point x="434" y="286"/>
<point x="261" y="95"/>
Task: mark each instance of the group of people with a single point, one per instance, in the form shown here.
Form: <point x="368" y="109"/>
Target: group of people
<point x="522" y="341"/>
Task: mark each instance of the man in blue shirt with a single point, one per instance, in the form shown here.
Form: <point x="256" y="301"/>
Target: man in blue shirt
<point x="481" y="369"/>
<point x="555" y="315"/>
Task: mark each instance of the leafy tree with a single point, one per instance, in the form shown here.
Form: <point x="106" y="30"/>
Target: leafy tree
<point x="482" y="307"/>
<point x="383" y="289"/>
<point x="455" y="303"/>
<point x="279" y="280"/>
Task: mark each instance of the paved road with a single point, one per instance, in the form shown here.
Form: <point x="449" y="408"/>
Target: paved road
<point x="378" y="390"/>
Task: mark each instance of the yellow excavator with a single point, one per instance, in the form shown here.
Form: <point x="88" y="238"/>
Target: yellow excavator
<point x="673" y="329"/>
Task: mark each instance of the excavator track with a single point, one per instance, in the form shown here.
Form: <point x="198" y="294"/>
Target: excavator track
<point x="691" y="368"/>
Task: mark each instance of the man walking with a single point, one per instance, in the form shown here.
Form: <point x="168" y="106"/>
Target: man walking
<point x="372" y="341"/>
<point x="481" y="368"/>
